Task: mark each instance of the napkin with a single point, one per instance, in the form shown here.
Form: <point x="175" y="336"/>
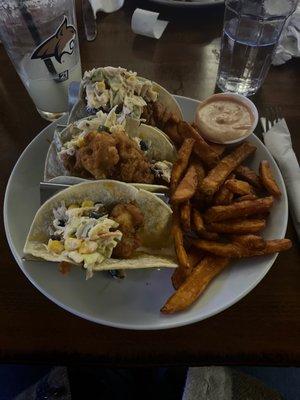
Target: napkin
<point x="224" y="383"/>
<point x="278" y="141"/>
<point x="107" y="6"/>
<point x="289" y="43"/>
<point x="146" y="23"/>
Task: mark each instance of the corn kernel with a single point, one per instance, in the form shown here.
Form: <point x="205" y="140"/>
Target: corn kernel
<point x="72" y="206"/>
<point x="87" y="203"/>
<point x="100" y="86"/>
<point x="55" y="246"/>
<point x="87" y="247"/>
<point x="80" y="142"/>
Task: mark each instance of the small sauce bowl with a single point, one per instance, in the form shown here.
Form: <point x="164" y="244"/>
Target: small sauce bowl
<point x="238" y="98"/>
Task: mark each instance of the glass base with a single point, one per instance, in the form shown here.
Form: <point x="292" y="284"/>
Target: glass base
<point x="49" y="116"/>
<point x="240" y="86"/>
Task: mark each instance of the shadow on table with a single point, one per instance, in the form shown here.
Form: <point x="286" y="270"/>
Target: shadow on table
<point x="20" y="382"/>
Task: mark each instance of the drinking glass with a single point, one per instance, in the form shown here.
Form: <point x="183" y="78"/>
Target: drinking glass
<point x="250" y="35"/>
<point x="40" y="37"/>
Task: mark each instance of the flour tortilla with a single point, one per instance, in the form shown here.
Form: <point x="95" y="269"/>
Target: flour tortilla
<point x="156" y="249"/>
<point x="79" y="110"/>
<point x="160" y="149"/>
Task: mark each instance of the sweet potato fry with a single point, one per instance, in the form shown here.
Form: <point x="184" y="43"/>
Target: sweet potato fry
<point x="237" y="210"/>
<point x="171" y="130"/>
<point x="197" y="221"/>
<point x="183" y="260"/>
<point x="229" y="163"/>
<point x="178" y="277"/>
<point x="262" y="215"/>
<point x="201" y="148"/>
<point x="234" y="250"/>
<point x="207" y="235"/>
<point x="238" y="226"/>
<point x="246" y="197"/>
<point x="194" y="256"/>
<point x="185" y="216"/>
<point x="223" y="196"/>
<point x="181" y="163"/>
<point x="187" y="186"/>
<point x="273" y="246"/>
<point x="195" y="284"/>
<point x="248" y="175"/>
<point x="230" y="250"/>
<point x="200" y="176"/>
<point x="251" y="242"/>
<point x="218" y="148"/>
<point x="238" y="187"/>
<point x="268" y="180"/>
<point x="200" y="228"/>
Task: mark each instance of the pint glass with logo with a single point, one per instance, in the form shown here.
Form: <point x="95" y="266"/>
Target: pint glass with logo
<point x="40" y="37"/>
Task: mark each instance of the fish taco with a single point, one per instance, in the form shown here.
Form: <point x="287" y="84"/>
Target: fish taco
<point x="103" y="225"/>
<point x="104" y="146"/>
<point x="136" y="97"/>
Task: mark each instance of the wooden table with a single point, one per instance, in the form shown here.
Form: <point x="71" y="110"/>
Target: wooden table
<point x="263" y="328"/>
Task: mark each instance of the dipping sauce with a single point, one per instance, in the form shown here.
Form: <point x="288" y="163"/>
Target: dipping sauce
<point x="223" y="118"/>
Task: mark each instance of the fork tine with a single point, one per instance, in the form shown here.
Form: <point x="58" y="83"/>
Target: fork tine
<point x="272" y="114"/>
<point x="275" y="114"/>
<point x="269" y="124"/>
<point x="279" y="113"/>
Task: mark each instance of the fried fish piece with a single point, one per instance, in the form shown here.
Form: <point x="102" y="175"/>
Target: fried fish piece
<point x="99" y="156"/>
<point x="133" y="166"/>
<point x="195" y="284"/>
<point x="237" y="210"/>
<point x="130" y="219"/>
<point x="229" y="163"/>
<point x="268" y="179"/>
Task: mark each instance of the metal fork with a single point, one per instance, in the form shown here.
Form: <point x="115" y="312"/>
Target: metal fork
<point x="272" y="114"/>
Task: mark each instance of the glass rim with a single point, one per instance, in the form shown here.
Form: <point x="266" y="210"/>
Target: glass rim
<point x="229" y="4"/>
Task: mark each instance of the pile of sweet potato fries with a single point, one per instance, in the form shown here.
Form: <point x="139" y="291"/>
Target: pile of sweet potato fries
<point x="219" y="208"/>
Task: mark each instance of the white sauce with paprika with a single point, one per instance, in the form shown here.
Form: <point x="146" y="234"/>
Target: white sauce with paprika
<point x="223" y="119"/>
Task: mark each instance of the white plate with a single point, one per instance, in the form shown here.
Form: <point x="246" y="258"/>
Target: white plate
<point x="192" y="3"/>
<point x="135" y="302"/>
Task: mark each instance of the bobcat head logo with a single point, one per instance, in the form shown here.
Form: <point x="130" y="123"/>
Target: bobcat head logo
<point x="62" y="42"/>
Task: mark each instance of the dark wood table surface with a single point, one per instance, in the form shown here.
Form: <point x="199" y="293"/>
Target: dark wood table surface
<point x="262" y="328"/>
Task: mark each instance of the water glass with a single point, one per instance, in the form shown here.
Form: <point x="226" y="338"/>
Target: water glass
<point x="250" y="36"/>
<point x="40" y="37"/>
